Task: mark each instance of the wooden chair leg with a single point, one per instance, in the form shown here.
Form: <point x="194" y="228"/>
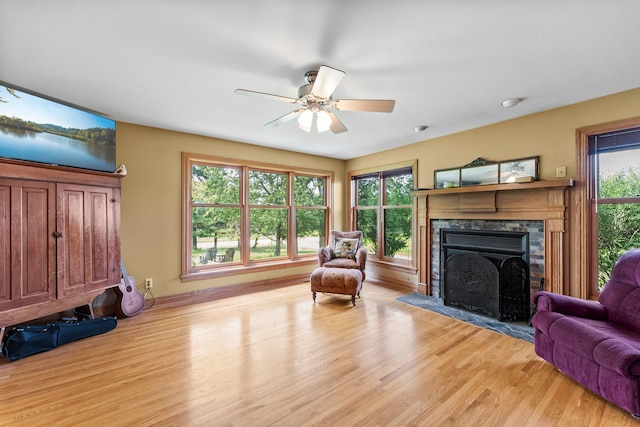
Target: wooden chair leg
<point x="314" y="295"/>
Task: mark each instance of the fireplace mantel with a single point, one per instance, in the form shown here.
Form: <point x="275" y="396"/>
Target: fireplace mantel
<point x="558" y="183"/>
<point x="538" y="200"/>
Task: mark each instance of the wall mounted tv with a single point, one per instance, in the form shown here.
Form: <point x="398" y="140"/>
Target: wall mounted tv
<point x="37" y="129"/>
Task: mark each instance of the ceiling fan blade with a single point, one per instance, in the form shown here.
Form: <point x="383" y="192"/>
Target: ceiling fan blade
<point x="326" y="81"/>
<point x="266" y="95"/>
<point x="336" y="125"/>
<point x="284" y="119"/>
<point x="371" y="105"/>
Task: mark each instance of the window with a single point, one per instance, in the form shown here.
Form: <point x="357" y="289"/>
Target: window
<point x="215" y="213"/>
<point x="268" y="214"/>
<point x="383" y="211"/>
<point x="311" y="213"/>
<point x="614" y="159"/>
<point x="239" y="215"/>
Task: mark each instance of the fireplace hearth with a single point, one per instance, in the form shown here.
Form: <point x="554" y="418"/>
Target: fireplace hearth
<point x="486" y="272"/>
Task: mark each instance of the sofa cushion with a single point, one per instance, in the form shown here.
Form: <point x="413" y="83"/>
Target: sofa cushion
<point x="606" y="343"/>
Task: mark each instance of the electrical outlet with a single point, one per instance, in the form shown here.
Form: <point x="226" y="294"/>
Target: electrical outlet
<point x="148" y="283"/>
<point x="561" y="172"/>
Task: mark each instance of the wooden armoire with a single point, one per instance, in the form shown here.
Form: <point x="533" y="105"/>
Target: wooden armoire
<point x="59" y="238"/>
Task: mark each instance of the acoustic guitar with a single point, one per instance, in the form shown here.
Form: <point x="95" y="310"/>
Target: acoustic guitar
<point x="130" y="301"/>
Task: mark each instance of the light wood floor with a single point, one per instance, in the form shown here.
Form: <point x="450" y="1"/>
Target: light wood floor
<point x="275" y="358"/>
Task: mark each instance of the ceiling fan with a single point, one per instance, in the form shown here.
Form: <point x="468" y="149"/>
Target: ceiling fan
<point x="316" y="102"/>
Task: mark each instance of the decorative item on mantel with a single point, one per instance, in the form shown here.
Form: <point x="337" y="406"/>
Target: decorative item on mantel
<point x="519" y="170"/>
<point x="484" y="172"/>
<point x="121" y="170"/>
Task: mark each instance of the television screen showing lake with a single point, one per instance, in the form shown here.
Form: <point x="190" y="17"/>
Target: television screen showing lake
<point x="40" y="130"/>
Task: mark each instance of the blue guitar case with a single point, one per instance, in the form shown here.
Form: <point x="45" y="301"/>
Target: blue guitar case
<point x="23" y="341"/>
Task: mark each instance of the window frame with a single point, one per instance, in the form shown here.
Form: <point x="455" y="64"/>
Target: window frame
<point x="613" y="142"/>
<point x="584" y="271"/>
<point x="383" y="172"/>
<point x="190" y="272"/>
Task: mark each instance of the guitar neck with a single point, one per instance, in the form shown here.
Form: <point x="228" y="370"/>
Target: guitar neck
<point x="124" y="273"/>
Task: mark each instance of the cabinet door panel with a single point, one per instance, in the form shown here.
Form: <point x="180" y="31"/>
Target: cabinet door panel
<point x="26" y="236"/>
<point x="99" y="211"/>
<point x="87" y="251"/>
<point x="73" y="236"/>
<point x="5" y="244"/>
<point x="35" y="234"/>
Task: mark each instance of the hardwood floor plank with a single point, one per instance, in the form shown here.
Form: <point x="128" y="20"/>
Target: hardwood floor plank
<point x="276" y="358"/>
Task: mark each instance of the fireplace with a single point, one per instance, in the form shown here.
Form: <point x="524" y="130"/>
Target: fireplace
<point x="486" y="272"/>
<point x="539" y="208"/>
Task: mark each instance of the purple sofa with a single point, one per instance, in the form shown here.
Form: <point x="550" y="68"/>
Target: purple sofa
<point x="597" y="343"/>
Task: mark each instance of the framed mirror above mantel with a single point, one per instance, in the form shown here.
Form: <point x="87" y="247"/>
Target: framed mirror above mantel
<point x="486" y="172"/>
<point x="538" y="200"/>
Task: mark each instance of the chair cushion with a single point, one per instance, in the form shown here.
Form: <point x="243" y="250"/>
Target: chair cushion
<point x="342" y="263"/>
<point x="345" y="248"/>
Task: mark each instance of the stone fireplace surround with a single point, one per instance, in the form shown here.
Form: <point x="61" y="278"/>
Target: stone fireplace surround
<point x="539" y="206"/>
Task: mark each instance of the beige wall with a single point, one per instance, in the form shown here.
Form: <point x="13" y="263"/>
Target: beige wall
<point x="549" y="134"/>
<point x="151" y="201"/>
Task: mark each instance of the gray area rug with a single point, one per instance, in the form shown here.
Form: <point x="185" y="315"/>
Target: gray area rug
<point x="514" y="329"/>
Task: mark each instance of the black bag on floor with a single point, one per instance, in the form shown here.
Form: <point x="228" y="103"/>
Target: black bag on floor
<point x="73" y="331"/>
<point x="23" y="341"/>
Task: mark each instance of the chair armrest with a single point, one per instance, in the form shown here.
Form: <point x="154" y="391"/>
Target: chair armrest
<point x="571" y="306"/>
<point x="361" y="257"/>
<point x="324" y="255"/>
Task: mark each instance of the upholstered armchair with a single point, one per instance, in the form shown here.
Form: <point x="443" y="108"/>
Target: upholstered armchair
<point x="597" y="343"/>
<point x="345" y="250"/>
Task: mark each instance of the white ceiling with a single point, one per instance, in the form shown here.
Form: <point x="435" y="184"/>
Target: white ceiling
<point x="448" y="64"/>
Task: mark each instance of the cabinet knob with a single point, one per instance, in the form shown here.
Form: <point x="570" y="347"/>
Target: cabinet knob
<point x="57" y="234"/>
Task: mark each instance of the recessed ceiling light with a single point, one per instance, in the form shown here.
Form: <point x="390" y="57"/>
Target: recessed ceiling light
<point x="420" y="128"/>
<point x="511" y="102"/>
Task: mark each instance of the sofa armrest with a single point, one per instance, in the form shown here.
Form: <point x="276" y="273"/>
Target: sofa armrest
<point x="570" y="306"/>
<point x="361" y="257"/>
<point x="324" y="255"/>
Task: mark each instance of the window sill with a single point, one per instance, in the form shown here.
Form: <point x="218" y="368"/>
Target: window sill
<point x="246" y="269"/>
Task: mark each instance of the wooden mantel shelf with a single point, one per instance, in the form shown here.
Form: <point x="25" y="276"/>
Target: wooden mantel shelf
<point x="497" y="187"/>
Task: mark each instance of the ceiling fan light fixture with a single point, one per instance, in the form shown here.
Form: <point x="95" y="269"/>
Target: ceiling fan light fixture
<point x="305" y="120"/>
<point x="323" y="121"/>
<point x="317" y="103"/>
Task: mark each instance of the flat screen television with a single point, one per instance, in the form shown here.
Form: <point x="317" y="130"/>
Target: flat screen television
<point x="37" y="129"/>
